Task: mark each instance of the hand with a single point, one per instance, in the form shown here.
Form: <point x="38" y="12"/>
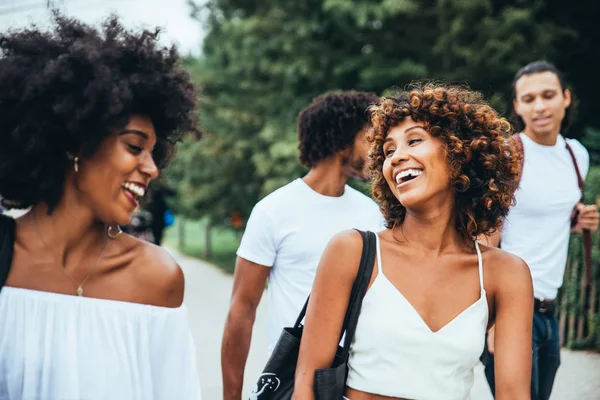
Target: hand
<point x="490" y="339"/>
<point x="587" y="218"/>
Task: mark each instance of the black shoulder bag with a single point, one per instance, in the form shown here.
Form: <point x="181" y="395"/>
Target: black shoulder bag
<point x="7" y="240"/>
<point x="277" y="379"/>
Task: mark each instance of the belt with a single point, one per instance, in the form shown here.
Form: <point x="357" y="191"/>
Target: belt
<point x="544" y="306"/>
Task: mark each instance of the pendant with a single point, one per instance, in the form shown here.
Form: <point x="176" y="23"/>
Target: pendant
<point x="79" y="291"/>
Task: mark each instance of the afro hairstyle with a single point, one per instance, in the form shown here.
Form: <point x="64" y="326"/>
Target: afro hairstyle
<point x="330" y="124"/>
<point x="64" y="90"/>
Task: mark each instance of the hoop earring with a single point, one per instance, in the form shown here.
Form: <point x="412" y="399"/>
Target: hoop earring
<point x="76" y="164"/>
<point x="111" y="231"/>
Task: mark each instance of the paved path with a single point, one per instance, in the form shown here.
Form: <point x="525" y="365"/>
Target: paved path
<point x="207" y="297"/>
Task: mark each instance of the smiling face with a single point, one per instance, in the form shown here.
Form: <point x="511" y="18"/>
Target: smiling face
<point x="541" y="103"/>
<point x="113" y="180"/>
<point x="415" y="166"/>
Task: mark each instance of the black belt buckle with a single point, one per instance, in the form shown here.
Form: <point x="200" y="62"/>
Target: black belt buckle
<point x="545" y="306"/>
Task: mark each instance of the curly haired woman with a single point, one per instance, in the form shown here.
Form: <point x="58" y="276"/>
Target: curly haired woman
<point x="87" y="119"/>
<point x="443" y="175"/>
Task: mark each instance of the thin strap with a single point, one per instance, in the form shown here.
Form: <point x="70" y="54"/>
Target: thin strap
<point x="587" y="238"/>
<point x="580" y="180"/>
<point x="379" y="265"/>
<point x="480" y="262"/>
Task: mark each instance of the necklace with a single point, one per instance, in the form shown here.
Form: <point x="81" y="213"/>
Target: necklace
<point x="78" y="285"/>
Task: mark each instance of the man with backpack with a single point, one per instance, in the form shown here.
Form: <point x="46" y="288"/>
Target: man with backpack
<point x="548" y="207"/>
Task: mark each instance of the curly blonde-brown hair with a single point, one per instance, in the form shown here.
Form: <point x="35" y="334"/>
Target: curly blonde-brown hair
<point x="484" y="165"/>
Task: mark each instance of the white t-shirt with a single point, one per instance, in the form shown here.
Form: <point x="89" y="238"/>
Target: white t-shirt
<point x="537" y="228"/>
<point x="288" y="231"/>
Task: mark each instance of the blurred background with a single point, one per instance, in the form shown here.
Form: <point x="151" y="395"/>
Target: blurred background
<point x="258" y="62"/>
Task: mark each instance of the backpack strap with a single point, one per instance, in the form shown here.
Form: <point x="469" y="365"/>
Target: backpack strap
<point x="7" y="240"/>
<point x="587" y="236"/>
<point x="579" y="177"/>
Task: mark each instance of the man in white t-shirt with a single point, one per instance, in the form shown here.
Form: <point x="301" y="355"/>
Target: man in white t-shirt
<point x="289" y="229"/>
<point x="537" y="228"/>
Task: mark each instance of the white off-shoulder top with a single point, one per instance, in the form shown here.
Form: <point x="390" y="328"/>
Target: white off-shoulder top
<point x="56" y="346"/>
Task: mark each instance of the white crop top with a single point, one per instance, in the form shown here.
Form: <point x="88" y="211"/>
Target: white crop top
<point x="394" y="353"/>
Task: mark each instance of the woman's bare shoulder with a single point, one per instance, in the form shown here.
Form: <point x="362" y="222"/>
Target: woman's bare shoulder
<point x="342" y="254"/>
<point x="350" y="238"/>
<point x="503" y="268"/>
<point x="156" y="271"/>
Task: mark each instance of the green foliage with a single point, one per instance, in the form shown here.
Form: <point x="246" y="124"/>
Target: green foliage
<point x="225" y="242"/>
<point x="573" y="303"/>
<point x="591" y="140"/>
<point x="595" y="332"/>
<point x="265" y="60"/>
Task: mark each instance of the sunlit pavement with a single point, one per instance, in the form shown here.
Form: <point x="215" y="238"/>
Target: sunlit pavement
<point x="207" y="298"/>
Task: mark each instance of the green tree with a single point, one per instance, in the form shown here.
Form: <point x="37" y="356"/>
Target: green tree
<point x="577" y="56"/>
<point x="591" y="140"/>
<point x="264" y="60"/>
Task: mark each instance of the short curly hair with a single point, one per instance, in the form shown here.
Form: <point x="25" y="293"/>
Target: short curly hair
<point x="330" y="124"/>
<point x="64" y="90"/>
<point x="484" y="165"/>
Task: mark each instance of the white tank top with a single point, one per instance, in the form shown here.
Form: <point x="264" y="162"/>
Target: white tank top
<point x="394" y="353"/>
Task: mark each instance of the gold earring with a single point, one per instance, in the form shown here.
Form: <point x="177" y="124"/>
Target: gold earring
<point x="114" y="231"/>
<point x="76" y="164"/>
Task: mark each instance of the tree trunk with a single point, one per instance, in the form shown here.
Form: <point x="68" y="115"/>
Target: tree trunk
<point x="572" y="300"/>
<point x="571" y="329"/>
<point x="592" y="310"/>
<point x="181" y="233"/>
<point x="562" y="319"/>
<point x="581" y="317"/>
<point x="207" y="241"/>
<point x="562" y="325"/>
<point x="444" y="29"/>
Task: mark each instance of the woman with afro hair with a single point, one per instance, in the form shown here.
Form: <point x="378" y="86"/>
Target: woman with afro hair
<point x="88" y="117"/>
<point x="444" y="174"/>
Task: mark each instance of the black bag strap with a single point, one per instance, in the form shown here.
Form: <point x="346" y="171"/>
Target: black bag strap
<point x="7" y="240"/>
<point x="359" y="288"/>
<point x="302" y="314"/>
<point x="361" y="283"/>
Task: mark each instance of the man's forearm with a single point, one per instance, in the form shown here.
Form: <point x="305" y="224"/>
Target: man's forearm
<point x="234" y="352"/>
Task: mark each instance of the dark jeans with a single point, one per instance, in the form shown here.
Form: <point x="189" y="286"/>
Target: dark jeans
<point x="546" y="356"/>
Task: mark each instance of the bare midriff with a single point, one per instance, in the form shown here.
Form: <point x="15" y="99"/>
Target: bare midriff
<point x="353" y="394"/>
